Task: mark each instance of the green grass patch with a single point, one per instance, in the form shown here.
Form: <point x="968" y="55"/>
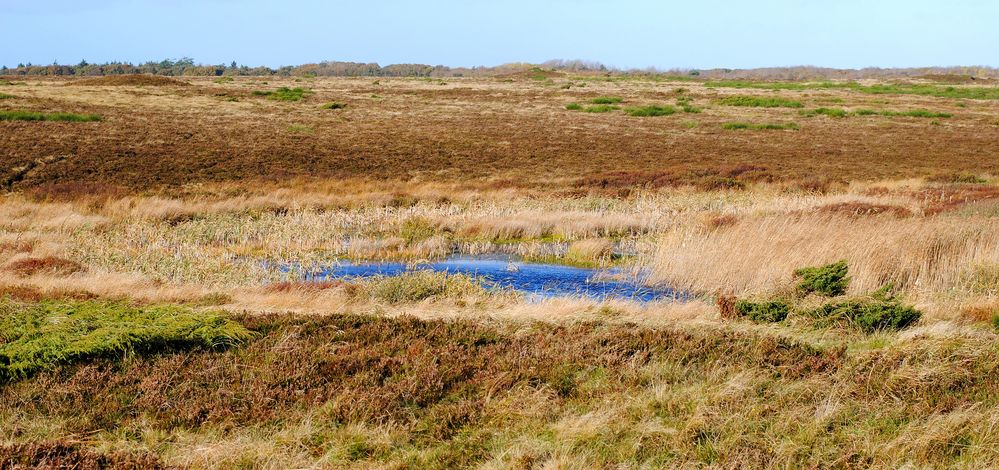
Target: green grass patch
<point x="995" y="322"/>
<point x="284" y="94"/>
<point x="607" y="100"/>
<point x="601" y="108"/>
<point x="301" y="129"/>
<point x="829" y="280"/>
<point x="766" y="311"/>
<point x="920" y="113"/>
<point x="574" y="107"/>
<point x="4" y="96"/>
<point x="759" y="102"/>
<point x="33" y="116"/>
<point x="46" y="335"/>
<point x="756" y="127"/>
<point x="831" y="112"/>
<point x="334" y="105"/>
<point x="651" y="111"/>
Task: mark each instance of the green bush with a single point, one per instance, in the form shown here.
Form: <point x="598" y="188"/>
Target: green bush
<point x="33" y="116"/>
<point x="422" y="285"/>
<point x="607" y="100"/>
<point x="757" y="127"/>
<point x="45" y="335"/>
<point x="767" y="311"/>
<point x="829" y="280"/>
<point x="334" y="105"/>
<point x="868" y="314"/>
<point x="651" y="111"/>
<point x="759" y="102"/>
<point x="284" y="94"/>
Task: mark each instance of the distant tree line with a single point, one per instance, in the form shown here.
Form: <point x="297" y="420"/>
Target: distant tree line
<point x="187" y="67"/>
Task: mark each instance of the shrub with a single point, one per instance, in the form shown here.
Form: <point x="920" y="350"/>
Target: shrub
<point x="757" y="127"/>
<point x="829" y="280"/>
<point x="47" y="265"/>
<point x="422" y="285"/>
<point x="33" y="116"/>
<point x="767" y="311"/>
<point x="574" y="107"/>
<point x="651" y="111"/>
<point x="284" y="94"/>
<point x="42" y="336"/>
<point x="869" y="314"/>
<point x="607" y="100"/>
<point x="759" y="102"/>
<point x="334" y="105"/>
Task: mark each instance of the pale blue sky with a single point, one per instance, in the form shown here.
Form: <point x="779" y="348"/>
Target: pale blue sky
<point x="624" y="33"/>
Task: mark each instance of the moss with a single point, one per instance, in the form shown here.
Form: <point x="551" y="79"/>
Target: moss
<point x="41" y="336"/>
<point x="767" y="311"/>
<point x="829" y="280"/>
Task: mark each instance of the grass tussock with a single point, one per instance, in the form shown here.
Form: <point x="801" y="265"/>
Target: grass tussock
<point x="418" y="286"/>
<point x="607" y="100"/>
<point x="759" y="102"/>
<point x="600" y="108"/>
<point x="284" y="94"/>
<point x="650" y="111"/>
<point x="36" y="116"/>
<point x="69" y="454"/>
<point x="42" y="336"/>
<point x="5" y="96"/>
<point x="756" y="127"/>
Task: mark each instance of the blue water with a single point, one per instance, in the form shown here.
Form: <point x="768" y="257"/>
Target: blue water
<point x="537" y="280"/>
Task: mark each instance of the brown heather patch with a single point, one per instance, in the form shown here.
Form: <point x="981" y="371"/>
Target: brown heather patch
<point x="16" y="247"/>
<point x="26" y="293"/>
<point x="949" y="198"/>
<point x="70" y="455"/>
<point x="97" y="193"/>
<point x="432" y="375"/>
<point x="129" y="80"/>
<point x="303" y="286"/>
<point x="860" y="209"/>
<point x="48" y="265"/>
<point x="715" y="221"/>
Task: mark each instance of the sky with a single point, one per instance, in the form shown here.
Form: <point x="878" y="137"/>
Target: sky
<point x="623" y="33"/>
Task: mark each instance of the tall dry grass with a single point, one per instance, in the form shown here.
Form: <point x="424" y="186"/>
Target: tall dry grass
<point x="944" y="255"/>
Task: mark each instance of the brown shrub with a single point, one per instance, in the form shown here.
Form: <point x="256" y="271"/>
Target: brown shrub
<point x="939" y="200"/>
<point x="859" y="209"/>
<point x="27" y="293"/>
<point x="16" y="247"/>
<point x="48" y="265"/>
<point x="98" y="194"/>
<point x="62" y="454"/>
<point x="714" y="221"/>
<point x="129" y="80"/>
<point x="435" y="376"/>
<point x="979" y="313"/>
<point x="726" y="306"/>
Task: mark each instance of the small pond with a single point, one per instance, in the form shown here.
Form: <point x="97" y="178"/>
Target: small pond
<point x="537" y="280"/>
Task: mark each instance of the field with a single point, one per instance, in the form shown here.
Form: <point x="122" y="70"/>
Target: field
<point x="839" y="242"/>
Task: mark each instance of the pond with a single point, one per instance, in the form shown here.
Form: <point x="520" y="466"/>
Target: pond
<point x="537" y="280"/>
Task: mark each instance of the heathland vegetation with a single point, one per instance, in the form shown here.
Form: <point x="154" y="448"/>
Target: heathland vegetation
<point x="161" y="302"/>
